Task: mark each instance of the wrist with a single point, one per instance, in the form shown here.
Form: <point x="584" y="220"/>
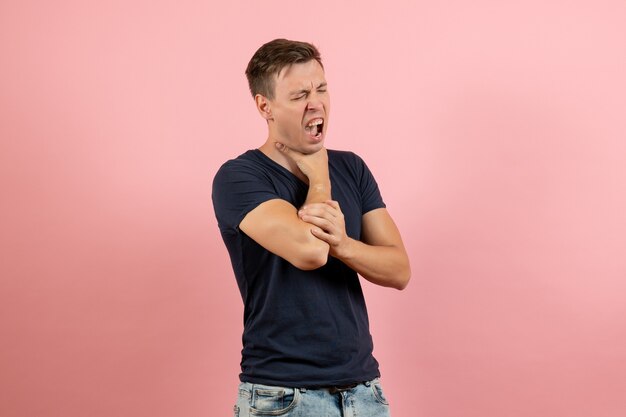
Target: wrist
<point x="347" y="250"/>
<point x="320" y="186"/>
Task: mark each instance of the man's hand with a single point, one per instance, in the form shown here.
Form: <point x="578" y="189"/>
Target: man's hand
<point x="314" y="166"/>
<point x="379" y="258"/>
<point x="328" y="217"/>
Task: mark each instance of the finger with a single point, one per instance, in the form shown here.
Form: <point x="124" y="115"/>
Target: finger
<point x="292" y="153"/>
<point x="329" y="238"/>
<point x="320" y="222"/>
<point x="322" y="235"/>
<point x="319" y="210"/>
<point x="334" y="204"/>
<point x="308" y="206"/>
<point x="335" y="207"/>
<point x="282" y="147"/>
<point x="316" y="205"/>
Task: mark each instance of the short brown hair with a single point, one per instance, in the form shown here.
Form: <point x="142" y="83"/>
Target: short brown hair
<point x="271" y="58"/>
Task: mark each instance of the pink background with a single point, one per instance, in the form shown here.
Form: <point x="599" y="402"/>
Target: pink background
<point x="497" y="134"/>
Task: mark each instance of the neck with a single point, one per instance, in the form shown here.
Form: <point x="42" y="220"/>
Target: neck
<point x="269" y="149"/>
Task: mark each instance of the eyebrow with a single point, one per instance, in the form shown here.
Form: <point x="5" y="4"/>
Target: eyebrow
<point x="305" y="90"/>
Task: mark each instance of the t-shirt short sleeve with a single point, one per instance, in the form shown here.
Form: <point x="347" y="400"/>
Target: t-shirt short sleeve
<point x="370" y="194"/>
<point x="238" y="188"/>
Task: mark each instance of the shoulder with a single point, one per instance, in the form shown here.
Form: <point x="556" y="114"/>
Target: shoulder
<point x="341" y="155"/>
<point x="344" y="157"/>
<point x="347" y="161"/>
<point x="239" y="185"/>
<point x="246" y="159"/>
<point x="246" y="165"/>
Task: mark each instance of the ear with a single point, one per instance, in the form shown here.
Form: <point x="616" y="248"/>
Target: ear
<point x="263" y="106"/>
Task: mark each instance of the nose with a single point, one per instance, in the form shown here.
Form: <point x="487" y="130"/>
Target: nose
<point x="315" y="102"/>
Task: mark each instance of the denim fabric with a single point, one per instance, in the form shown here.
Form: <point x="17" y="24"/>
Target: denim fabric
<point x="364" y="400"/>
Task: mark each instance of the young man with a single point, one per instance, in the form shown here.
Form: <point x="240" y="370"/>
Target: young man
<point x="299" y="222"/>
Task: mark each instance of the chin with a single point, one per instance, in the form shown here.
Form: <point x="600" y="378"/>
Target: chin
<point x="309" y="148"/>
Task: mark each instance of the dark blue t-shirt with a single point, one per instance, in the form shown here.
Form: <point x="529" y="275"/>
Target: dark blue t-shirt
<point x="301" y="328"/>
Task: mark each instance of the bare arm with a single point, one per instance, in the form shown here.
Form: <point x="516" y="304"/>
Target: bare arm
<point x="275" y="224"/>
<point x="380" y="257"/>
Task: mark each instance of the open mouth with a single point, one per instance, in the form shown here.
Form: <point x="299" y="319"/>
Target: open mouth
<point x="315" y="127"/>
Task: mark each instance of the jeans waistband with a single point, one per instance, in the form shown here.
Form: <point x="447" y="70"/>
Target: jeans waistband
<point x="341" y="388"/>
<point x="331" y="388"/>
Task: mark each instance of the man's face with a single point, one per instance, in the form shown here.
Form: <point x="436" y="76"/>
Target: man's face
<point x="300" y="107"/>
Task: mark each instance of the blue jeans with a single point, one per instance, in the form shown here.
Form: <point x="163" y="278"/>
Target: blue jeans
<point x="364" y="400"/>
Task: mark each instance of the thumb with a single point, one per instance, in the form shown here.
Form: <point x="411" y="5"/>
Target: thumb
<point x="282" y="148"/>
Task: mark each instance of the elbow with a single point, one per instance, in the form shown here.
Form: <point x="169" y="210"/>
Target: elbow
<point x="313" y="257"/>
<point x="310" y="264"/>
<point x="403" y="278"/>
<point x="401" y="285"/>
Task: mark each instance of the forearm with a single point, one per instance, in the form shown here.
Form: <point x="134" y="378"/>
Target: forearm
<point x="319" y="191"/>
<point x="313" y="168"/>
<point x="382" y="265"/>
<point x="275" y="225"/>
<point x="380" y="257"/>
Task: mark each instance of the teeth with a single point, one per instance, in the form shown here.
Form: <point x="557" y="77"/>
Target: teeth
<point x="315" y="122"/>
